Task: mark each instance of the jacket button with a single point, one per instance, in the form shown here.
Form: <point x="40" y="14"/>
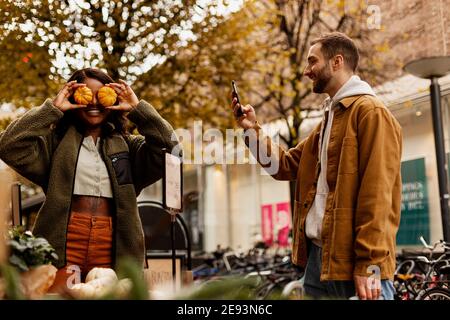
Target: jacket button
<point x="305" y="205"/>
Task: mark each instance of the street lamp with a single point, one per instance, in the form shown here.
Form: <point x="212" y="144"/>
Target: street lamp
<point x="433" y="68"/>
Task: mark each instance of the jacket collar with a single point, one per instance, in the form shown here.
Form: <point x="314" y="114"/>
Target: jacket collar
<point x="110" y="127"/>
<point x="347" y="102"/>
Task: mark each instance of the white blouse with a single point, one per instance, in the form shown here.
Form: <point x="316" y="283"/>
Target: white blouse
<point x="91" y="175"/>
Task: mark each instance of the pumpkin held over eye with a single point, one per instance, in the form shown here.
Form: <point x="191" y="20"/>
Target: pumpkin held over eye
<point x="107" y="96"/>
<point x="83" y="95"/>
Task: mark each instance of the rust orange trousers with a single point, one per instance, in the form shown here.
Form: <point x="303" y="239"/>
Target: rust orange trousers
<point x="89" y="245"/>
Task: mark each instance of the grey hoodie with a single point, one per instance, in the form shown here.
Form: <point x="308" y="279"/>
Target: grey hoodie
<point x="354" y="86"/>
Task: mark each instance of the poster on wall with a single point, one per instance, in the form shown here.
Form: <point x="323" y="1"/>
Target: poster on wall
<point x="276" y="223"/>
<point x="414" y="220"/>
<point x="267" y="224"/>
<point x="283" y="223"/>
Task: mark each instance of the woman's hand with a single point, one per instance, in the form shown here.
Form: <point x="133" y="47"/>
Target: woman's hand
<point x="127" y="98"/>
<point x="61" y="100"/>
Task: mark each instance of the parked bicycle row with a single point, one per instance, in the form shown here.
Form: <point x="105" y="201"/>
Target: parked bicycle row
<point x="423" y="275"/>
<point x="272" y="273"/>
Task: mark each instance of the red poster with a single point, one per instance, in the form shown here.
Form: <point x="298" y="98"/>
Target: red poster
<point x="283" y="223"/>
<point x="267" y="224"/>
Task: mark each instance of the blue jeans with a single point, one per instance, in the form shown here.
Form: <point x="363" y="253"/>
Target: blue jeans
<point x="316" y="289"/>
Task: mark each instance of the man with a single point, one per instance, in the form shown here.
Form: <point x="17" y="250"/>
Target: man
<point x="348" y="189"/>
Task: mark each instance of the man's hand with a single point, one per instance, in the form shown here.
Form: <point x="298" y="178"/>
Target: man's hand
<point x="248" y="119"/>
<point x="367" y="288"/>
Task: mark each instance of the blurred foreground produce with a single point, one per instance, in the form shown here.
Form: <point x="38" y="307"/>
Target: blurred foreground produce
<point x="30" y="273"/>
<point x="102" y="282"/>
<point x="27" y="251"/>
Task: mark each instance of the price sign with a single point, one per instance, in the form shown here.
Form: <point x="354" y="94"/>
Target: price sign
<point x="172" y="184"/>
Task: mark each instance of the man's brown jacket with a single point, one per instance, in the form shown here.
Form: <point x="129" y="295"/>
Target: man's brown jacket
<point x="362" y="212"/>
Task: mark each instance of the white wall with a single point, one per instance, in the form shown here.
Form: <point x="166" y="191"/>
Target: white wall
<point x="216" y="208"/>
<point x="233" y="198"/>
<point x="272" y="190"/>
<point x="152" y="193"/>
<point x="244" y="200"/>
<point x="251" y="189"/>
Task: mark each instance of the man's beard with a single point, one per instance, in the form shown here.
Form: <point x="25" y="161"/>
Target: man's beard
<point x="323" y="78"/>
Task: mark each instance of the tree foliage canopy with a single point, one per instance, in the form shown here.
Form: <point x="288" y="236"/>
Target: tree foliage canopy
<point x="180" y="55"/>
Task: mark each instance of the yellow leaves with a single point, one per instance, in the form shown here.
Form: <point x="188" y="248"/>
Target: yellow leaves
<point x="299" y="86"/>
<point x="274" y="87"/>
<point x="383" y="47"/>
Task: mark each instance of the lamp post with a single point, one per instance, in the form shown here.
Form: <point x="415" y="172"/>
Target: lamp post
<point x="433" y="68"/>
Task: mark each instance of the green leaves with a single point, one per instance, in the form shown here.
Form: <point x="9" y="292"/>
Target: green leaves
<point x="128" y="268"/>
<point x="27" y="251"/>
<point x="229" y="288"/>
<point x="11" y="282"/>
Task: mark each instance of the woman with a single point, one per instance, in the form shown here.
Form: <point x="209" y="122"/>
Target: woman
<point x="91" y="171"/>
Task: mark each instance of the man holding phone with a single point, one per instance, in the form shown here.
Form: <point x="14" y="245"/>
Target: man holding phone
<point x="235" y="95"/>
<point x="348" y="190"/>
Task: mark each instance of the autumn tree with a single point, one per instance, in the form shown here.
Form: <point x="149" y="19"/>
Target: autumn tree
<point x="283" y="91"/>
<point x="43" y="41"/>
<point x="195" y="83"/>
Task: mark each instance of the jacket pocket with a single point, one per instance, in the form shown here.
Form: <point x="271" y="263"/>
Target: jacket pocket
<point x="343" y="233"/>
<point x="348" y="163"/>
<point x="122" y="168"/>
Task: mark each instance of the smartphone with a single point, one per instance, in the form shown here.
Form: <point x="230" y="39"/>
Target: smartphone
<point x="235" y="94"/>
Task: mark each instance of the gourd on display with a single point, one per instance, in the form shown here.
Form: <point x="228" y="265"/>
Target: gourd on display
<point x="97" y="273"/>
<point x="83" y="95"/>
<point x="83" y="291"/>
<point x="99" y="282"/>
<point x="107" y="96"/>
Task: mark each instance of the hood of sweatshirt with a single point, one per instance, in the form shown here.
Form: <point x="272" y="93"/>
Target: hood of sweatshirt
<point x="353" y="87"/>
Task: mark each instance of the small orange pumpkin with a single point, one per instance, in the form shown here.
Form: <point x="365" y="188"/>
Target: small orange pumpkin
<point x="107" y="96"/>
<point x="83" y="95"/>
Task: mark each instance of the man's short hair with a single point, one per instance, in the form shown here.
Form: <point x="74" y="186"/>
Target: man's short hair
<point x="338" y="43"/>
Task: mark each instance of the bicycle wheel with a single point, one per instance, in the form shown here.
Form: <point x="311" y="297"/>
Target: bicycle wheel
<point x="293" y="290"/>
<point x="435" y="294"/>
<point x="263" y="290"/>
